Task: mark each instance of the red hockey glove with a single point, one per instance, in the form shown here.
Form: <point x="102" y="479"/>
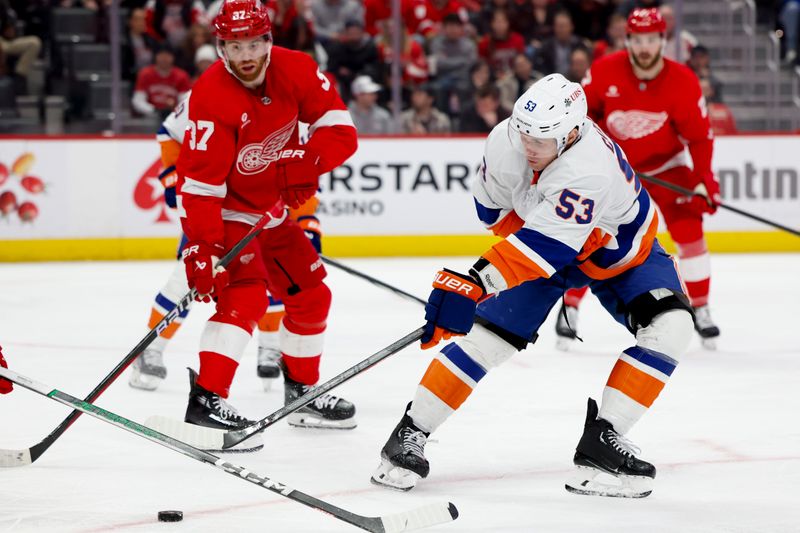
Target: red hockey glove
<point x="298" y="176"/>
<point x="5" y="385"/>
<point x="451" y="307"/>
<point x="706" y="197"/>
<point x="199" y="258"/>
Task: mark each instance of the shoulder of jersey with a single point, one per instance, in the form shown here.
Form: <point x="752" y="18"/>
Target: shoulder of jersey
<point x="612" y="61"/>
<point x="497" y="143"/>
<point x="216" y="86"/>
<point x="296" y="65"/>
<point x="679" y="69"/>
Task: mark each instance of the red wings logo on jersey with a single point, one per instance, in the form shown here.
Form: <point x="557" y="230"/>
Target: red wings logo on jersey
<point x="635" y="124"/>
<point x="255" y="157"/>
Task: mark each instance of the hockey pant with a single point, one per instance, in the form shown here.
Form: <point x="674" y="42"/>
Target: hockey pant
<point x="282" y="260"/>
<point x="685" y="226"/>
<point x="507" y="322"/>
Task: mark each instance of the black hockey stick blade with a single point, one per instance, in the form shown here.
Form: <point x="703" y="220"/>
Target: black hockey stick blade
<point x="422" y="517"/>
<point x="13" y="458"/>
<point x="374" y="281"/>
<point x="687" y="192"/>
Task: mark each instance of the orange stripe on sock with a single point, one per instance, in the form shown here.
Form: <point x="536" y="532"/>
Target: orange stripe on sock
<point x="271" y="321"/>
<point x="635" y="384"/>
<point x="445" y="385"/>
<point x="156" y="317"/>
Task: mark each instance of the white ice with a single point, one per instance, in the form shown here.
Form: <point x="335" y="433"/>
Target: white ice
<point x="724" y="434"/>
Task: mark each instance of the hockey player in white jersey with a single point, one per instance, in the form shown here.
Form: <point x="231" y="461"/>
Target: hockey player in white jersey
<point x="572" y="213"/>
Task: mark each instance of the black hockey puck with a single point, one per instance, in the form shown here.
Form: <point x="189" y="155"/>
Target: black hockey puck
<point x="170" y="516"/>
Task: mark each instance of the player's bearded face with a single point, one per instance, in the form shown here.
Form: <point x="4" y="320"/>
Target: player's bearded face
<point x="538" y="152"/>
<point x="645" y="49"/>
<point x="248" y="58"/>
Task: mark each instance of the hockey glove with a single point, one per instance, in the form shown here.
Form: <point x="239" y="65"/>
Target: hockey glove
<point x="298" y="176"/>
<point x="706" y="197"/>
<point x="5" y="385"/>
<point x="199" y="259"/>
<point x="313" y="230"/>
<point x="169" y="179"/>
<point x="451" y="307"/>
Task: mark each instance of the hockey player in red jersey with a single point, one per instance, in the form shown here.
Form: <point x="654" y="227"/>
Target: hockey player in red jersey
<point x="5" y="385"/>
<point x="241" y="158"/>
<point x="654" y="109"/>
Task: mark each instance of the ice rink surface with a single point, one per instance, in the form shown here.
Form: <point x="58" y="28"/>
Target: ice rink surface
<point x="724" y="434"/>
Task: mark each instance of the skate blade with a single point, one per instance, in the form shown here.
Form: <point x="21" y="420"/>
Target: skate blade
<point x="144" y="382"/>
<point x="564" y="344"/>
<point x="206" y="439"/>
<point x="306" y="420"/>
<point x="709" y="343"/>
<point x="393" y="477"/>
<point x="593" y="482"/>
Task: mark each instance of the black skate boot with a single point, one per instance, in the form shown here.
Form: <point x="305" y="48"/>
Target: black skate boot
<point x="566" y="327"/>
<point x="147" y="370"/>
<point x="268" y="368"/>
<point x="209" y="410"/>
<point x="403" y="460"/>
<point x="705" y="326"/>
<point x="326" y="412"/>
<point x="602" y="452"/>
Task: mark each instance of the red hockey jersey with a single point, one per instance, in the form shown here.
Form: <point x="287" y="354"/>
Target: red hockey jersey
<point x="235" y="135"/>
<point x="652" y="120"/>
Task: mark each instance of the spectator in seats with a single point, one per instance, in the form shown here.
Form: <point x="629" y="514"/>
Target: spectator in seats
<point x="159" y="87"/>
<point x="170" y="20"/>
<point x="579" y="62"/>
<point x="517" y="81"/>
<point x="452" y="55"/>
<point x="484" y="17"/>
<point x="554" y="55"/>
<point x="590" y="17"/>
<point x="414" y="63"/>
<point x="626" y="6"/>
<point x="205" y="56"/>
<point x="700" y="62"/>
<point x="198" y="36"/>
<point x="687" y="40"/>
<point x="138" y="46"/>
<point x="614" y="40"/>
<point x="485" y="113"/>
<point x="480" y="75"/>
<point x="425" y="17"/>
<point x="535" y="22"/>
<point x="719" y="115"/>
<point x="290" y="27"/>
<point x="25" y="48"/>
<point x="329" y="18"/>
<point x="368" y="116"/>
<point x="353" y="55"/>
<point x="423" y="117"/>
<point x="376" y="14"/>
<point x="501" y="44"/>
<point x="789" y="17"/>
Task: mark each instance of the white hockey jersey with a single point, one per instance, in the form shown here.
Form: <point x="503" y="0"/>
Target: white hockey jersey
<point x="587" y="207"/>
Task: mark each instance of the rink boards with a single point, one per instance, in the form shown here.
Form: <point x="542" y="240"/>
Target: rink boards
<point x="397" y="196"/>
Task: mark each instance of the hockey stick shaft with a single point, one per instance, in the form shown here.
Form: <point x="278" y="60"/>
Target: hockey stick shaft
<point x="232" y="438"/>
<point x="423" y="517"/>
<point x="687" y="192"/>
<point x="374" y="281"/>
<point x="28" y="456"/>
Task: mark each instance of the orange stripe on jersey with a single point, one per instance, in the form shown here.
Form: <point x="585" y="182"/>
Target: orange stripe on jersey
<point x="596" y="272"/>
<point x="508" y="225"/>
<point x="156" y="317"/>
<point x="445" y="385"/>
<point x="597" y="239"/>
<point x="170" y="150"/>
<point x="635" y="384"/>
<point x="306" y="209"/>
<point x="515" y="266"/>
<point x="271" y="321"/>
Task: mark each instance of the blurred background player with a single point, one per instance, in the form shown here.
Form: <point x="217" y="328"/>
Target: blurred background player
<point x="5" y="385"/>
<point x="148" y="370"/>
<point x="654" y="109"/>
<point x="241" y="159"/>
<point x="552" y="184"/>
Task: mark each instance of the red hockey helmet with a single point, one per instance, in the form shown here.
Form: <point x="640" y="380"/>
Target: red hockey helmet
<point x="646" y="21"/>
<point x="242" y="19"/>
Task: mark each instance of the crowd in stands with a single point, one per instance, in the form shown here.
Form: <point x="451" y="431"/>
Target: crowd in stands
<point x="463" y="62"/>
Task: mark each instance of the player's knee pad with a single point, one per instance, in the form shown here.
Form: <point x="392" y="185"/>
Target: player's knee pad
<point x="176" y="286"/>
<point x="485" y="347"/>
<point x="645" y="307"/>
<point x="308" y="309"/>
<point x="246" y="300"/>
<point x="668" y="333"/>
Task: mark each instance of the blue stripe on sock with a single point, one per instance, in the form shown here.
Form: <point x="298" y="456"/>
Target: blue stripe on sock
<point x="463" y="361"/>
<point x="168" y="305"/>
<point x="661" y="362"/>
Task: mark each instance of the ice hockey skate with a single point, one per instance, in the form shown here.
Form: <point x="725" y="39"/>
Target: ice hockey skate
<point x="606" y="462"/>
<point x="209" y="410"/>
<point x="268" y="368"/>
<point x="566" y="327"/>
<point x="705" y="327"/>
<point x="403" y="460"/>
<point x="326" y="412"/>
<point x="147" y="370"/>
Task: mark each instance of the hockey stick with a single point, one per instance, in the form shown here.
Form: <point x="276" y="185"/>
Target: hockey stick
<point x="426" y="516"/>
<point x="29" y="455"/>
<point x="216" y="439"/>
<point x="374" y="281"/>
<point x="687" y="192"/>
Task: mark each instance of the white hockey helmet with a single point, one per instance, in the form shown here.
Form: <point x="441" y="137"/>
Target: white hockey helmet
<point x="550" y="109"/>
